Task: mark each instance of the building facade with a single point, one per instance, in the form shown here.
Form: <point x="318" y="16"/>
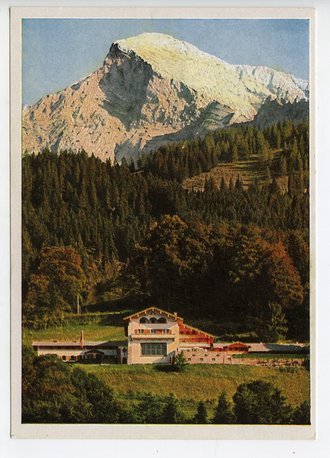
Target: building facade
<point x="83" y="351"/>
<point x="156" y="336"/>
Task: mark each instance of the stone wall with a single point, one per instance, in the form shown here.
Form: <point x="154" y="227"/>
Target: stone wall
<point x="208" y="356"/>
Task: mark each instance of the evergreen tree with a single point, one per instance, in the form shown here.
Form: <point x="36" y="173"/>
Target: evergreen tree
<point x="283" y="166"/>
<point x="223" y="414"/>
<point x="260" y="402"/>
<point x="170" y="414"/>
<point x="234" y="154"/>
<point x="201" y="414"/>
<point x="271" y="324"/>
<point x="148" y="411"/>
<point x="180" y="362"/>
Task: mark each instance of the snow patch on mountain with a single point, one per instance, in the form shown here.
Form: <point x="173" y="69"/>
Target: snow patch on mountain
<point x="152" y="89"/>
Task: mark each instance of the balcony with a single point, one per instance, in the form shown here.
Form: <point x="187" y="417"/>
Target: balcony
<point x="152" y="334"/>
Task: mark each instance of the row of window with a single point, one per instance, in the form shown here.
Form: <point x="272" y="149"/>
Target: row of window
<point x="153" y="331"/>
<point x="153" y="319"/>
<point x="152" y="349"/>
<point x="79" y="357"/>
<point x="202" y="359"/>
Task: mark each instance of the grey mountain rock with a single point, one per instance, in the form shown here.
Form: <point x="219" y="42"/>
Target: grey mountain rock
<point x="152" y="89"/>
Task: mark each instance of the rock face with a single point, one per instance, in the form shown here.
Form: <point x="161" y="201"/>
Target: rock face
<point x="273" y="111"/>
<point x="150" y="90"/>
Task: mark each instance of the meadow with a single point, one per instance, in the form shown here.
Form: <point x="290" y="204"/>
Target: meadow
<point x="271" y="356"/>
<point x="197" y="382"/>
<point x="248" y="170"/>
<point x="99" y="327"/>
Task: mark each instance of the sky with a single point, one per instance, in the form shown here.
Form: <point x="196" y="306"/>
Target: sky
<point x="58" y="52"/>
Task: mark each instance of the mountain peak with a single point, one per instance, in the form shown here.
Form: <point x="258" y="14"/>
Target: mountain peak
<point x="237" y="86"/>
<point x="156" y="41"/>
<point x="152" y="89"/>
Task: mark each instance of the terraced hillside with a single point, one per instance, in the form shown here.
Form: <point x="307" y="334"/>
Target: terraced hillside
<point x="248" y="171"/>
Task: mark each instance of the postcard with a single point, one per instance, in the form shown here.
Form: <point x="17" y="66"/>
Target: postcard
<point x="162" y="208"/>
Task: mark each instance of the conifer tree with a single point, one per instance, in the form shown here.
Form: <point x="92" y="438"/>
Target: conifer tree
<point x="170" y="414"/>
<point x="234" y="154"/>
<point x="223" y="413"/>
<point x="201" y="414"/>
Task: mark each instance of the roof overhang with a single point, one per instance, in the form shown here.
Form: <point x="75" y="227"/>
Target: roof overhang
<point x="150" y="310"/>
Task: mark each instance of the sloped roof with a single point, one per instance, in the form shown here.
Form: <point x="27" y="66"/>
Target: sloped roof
<point x="237" y="344"/>
<point x="67" y="343"/>
<point x="196" y="329"/>
<point x="152" y="309"/>
<point x="165" y="312"/>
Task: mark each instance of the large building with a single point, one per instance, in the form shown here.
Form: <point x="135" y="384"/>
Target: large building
<point x="154" y="336"/>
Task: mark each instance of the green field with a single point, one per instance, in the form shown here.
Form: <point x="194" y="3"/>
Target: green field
<point x="197" y="382"/>
<point x="267" y="355"/>
<point x="94" y="331"/>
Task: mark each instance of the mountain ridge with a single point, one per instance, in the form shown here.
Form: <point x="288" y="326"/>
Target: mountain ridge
<point x="150" y="89"/>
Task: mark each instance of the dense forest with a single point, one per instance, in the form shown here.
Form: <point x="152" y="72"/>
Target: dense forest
<point x="228" y="252"/>
<point x="188" y="158"/>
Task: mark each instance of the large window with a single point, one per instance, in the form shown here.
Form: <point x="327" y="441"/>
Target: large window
<point x="150" y="349"/>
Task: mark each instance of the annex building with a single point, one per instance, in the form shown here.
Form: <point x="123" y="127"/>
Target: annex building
<point x="83" y="351"/>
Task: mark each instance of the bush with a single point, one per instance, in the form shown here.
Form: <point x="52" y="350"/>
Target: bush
<point x="301" y="414"/>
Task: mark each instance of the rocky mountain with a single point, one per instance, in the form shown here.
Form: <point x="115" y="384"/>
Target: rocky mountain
<point x="152" y="89"/>
<point x="277" y="110"/>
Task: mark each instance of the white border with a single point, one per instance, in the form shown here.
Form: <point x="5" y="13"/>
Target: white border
<point x="321" y="446"/>
<point x="117" y="431"/>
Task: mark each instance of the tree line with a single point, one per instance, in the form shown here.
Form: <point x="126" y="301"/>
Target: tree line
<point x="239" y="274"/>
<point x="89" y="225"/>
<point x="177" y="161"/>
<point x="55" y="392"/>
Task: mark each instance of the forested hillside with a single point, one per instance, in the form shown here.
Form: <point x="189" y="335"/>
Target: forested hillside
<point x="189" y="158"/>
<point x="228" y="252"/>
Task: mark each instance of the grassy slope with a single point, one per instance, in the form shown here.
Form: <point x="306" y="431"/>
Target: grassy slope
<point x="248" y="171"/>
<point x="94" y="331"/>
<point x="198" y="382"/>
<point x="271" y="356"/>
